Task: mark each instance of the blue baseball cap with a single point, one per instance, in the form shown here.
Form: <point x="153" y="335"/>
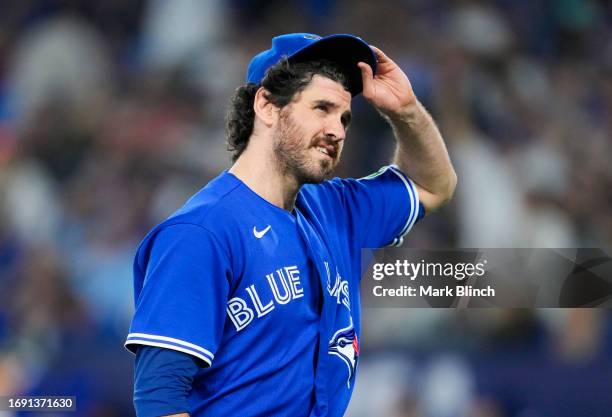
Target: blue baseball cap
<point x="345" y="50"/>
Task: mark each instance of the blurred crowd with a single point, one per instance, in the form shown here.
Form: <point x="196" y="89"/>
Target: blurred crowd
<point x="112" y="114"/>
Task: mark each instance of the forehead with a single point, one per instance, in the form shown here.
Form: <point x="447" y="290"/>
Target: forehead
<point x="323" y="88"/>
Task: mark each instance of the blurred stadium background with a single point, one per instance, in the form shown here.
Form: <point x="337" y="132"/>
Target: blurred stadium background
<point x="111" y="114"/>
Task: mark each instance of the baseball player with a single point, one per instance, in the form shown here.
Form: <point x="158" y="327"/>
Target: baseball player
<point x="247" y="298"/>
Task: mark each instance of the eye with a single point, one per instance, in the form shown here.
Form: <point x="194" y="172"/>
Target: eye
<point x="322" y="107"/>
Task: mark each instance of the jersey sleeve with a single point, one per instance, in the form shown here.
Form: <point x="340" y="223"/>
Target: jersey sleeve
<point x="182" y="297"/>
<point x="382" y="207"/>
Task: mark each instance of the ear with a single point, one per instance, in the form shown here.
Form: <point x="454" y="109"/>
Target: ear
<point x="265" y="110"/>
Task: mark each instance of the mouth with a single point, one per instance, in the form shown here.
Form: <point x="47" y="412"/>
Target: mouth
<point x="327" y="150"/>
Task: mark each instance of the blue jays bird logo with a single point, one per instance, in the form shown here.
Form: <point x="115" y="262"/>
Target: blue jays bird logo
<point x="345" y="345"/>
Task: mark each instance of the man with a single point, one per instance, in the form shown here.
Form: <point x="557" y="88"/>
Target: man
<point x="247" y="298"/>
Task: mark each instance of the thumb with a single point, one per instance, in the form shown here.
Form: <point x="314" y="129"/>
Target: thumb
<point x="367" y="79"/>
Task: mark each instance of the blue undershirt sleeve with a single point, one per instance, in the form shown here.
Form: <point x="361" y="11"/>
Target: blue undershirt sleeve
<point x="162" y="380"/>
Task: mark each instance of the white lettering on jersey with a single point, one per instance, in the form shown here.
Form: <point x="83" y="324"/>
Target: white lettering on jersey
<point x="294" y="280"/>
<point x="286" y="297"/>
<point x="290" y="288"/>
<point x="344" y="344"/>
<point x="261" y="309"/>
<point x="239" y="313"/>
<point x="340" y="290"/>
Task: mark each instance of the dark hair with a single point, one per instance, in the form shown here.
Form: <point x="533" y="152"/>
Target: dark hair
<point x="282" y="82"/>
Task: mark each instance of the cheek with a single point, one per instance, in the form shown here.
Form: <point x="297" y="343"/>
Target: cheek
<point x="312" y="127"/>
<point x="303" y="130"/>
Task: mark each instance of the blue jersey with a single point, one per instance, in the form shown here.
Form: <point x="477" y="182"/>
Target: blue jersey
<point x="266" y="299"/>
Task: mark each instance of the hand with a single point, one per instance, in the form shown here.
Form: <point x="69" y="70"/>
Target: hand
<point x="390" y="90"/>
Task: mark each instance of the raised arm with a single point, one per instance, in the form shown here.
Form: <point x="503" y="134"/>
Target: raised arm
<point x="420" y="153"/>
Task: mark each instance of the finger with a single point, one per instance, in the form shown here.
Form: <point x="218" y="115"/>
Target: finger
<point x="380" y="55"/>
<point x="367" y="79"/>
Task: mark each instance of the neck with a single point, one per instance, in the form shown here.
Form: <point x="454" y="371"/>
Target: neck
<point x="260" y="172"/>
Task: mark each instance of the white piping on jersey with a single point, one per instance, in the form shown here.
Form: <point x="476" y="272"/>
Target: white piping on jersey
<point x="168" y="346"/>
<point x="414" y="204"/>
<point x="155" y="340"/>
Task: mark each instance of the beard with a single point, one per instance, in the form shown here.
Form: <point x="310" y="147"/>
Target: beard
<point x="294" y="156"/>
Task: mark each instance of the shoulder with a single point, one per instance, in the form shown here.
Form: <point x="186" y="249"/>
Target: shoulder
<point x="220" y="205"/>
<point x="339" y="187"/>
<point x="325" y="190"/>
<point x="337" y="190"/>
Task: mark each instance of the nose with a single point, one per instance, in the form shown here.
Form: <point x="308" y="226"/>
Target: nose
<point x="334" y="130"/>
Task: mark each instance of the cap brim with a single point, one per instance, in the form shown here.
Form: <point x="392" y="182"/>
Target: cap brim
<point x="346" y="51"/>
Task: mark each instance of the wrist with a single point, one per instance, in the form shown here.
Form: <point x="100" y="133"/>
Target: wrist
<point x="406" y="112"/>
<point x="410" y="115"/>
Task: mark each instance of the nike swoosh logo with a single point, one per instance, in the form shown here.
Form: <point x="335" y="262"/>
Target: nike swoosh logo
<point x="260" y="234"/>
